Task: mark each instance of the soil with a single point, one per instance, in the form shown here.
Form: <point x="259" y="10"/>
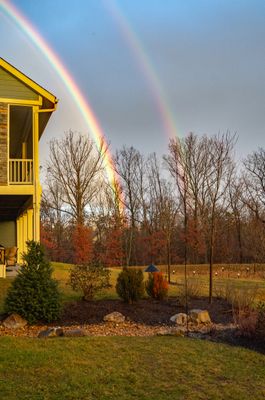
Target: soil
<point x="146" y="311"/>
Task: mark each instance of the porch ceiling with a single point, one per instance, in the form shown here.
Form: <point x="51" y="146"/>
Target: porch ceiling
<point x="11" y="206"/>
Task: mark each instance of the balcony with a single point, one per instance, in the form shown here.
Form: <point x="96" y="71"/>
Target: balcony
<point x="20" y="172"/>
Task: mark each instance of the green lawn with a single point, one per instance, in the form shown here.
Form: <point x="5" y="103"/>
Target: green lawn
<point x="128" y="368"/>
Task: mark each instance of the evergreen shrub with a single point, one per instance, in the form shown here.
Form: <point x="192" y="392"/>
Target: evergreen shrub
<point x="34" y="293"/>
<point x="130" y="284"/>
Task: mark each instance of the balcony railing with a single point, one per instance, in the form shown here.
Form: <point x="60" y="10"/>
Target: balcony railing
<point x="20" y="172"/>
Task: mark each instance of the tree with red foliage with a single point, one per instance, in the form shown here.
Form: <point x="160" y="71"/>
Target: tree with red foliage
<point x="46" y="237"/>
<point x="195" y="239"/>
<point x="154" y="246"/>
<point x="82" y="244"/>
<point x="113" y="254"/>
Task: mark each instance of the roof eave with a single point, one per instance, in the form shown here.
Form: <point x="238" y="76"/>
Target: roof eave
<point x="27" y="81"/>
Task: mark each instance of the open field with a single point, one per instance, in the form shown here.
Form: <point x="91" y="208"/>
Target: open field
<point x="128" y="368"/>
<point x="250" y="280"/>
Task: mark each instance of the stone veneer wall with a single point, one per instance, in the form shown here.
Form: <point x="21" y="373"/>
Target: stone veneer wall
<point x="3" y="143"/>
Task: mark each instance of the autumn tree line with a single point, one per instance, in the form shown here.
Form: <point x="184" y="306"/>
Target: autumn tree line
<point x="196" y="204"/>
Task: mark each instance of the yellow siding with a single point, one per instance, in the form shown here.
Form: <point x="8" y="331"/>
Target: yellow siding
<point x="8" y="233"/>
<point x="12" y="88"/>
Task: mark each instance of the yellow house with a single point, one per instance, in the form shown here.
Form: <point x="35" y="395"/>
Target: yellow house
<point x="25" y="108"/>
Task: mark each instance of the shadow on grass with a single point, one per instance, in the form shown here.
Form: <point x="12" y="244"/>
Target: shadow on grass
<point x="231" y="337"/>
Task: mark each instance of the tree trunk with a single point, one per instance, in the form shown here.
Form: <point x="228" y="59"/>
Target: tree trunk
<point x="168" y="260"/>
<point x="211" y="261"/>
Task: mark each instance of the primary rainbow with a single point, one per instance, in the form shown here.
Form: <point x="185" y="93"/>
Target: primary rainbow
<point x="94" y="126"/>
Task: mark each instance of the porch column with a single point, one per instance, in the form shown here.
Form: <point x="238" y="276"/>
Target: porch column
<point x="25" y="231"/>
<point x="30" y="224"/>
<point x="20" y="242"/>
<point x="37" y="187"/>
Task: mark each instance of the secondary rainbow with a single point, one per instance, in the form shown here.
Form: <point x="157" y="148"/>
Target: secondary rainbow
<point x="89" y="116"/>
<point x="159" y="97"/>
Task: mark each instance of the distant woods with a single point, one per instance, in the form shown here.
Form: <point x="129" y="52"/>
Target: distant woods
<point x="196" y="203"/>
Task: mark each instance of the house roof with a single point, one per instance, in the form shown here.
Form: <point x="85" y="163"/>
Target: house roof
<point x="28" y="81"/>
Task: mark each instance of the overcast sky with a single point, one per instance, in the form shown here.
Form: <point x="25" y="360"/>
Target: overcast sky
<point x="202" y="60"/>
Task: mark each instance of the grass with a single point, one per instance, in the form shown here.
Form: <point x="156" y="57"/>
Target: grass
<point x="128" y="368"/>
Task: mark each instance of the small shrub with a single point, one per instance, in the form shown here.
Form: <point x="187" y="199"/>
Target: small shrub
<point x="90" y="279"/>
<point x="241" y="298"/>
<point x="219" y="291"/>
<point x="34" y="294"/>
<point x="260" y="326"/>
<point x="193" y="290"/>
<point x="156" y="286"/>
<point x="246" y="321"/>
<point x="130" y="284"/>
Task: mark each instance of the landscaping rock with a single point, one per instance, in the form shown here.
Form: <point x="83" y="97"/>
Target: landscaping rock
<point x="59" y="331"/>
<point x="14" y="321"/>
<point x="55" y="332"/>
<point x="199" y="316"/>
<point x="171" y="332"/>
<point x="179" y="319"/>
<point x="115" y="317"/>
<point x="74" y="333"/>
<point x="50" y="332"/>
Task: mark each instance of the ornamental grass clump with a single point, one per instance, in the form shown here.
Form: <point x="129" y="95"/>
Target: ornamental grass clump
<point x="90" y="279"/>
<point x="34" y="293"/>
<point x="130" y="285"/>
<point x="260" y="326"/>
<point x="156" y="286"/>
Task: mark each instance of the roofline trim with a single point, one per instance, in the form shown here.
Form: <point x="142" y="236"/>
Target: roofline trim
<point x="28" y="81"/>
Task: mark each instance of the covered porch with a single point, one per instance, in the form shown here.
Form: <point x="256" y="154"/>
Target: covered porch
<point x="16" y="224"/>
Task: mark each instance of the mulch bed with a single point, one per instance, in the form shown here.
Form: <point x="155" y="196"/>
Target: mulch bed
<point x="144" y="318"/>
<point x="146" y="311"/>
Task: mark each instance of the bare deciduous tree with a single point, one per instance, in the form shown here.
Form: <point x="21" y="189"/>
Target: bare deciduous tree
<point x="255" y="183"/>
<point x="75" y="165"/>
<point x="163" y="205"/>
<point x="219" y="173"/>
<point x="202" y="169"/>
<point x="130" y="167"/>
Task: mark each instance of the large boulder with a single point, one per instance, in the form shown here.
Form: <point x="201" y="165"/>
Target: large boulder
<point x="115" y="317"/>
<point x="197" y="316"/>
<point x="14" y="321"/>
<point x="179" y="319"/>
